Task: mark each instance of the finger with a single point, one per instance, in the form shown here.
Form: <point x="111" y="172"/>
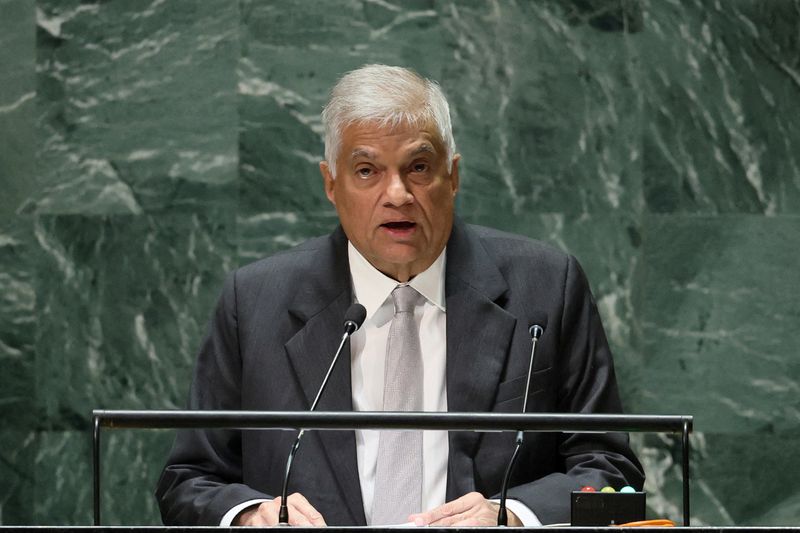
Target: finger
<point x="247" y="517"/>
<point x="451" y="520"/>
<point x="258" y="520"/>
<point x="481" y="516"/>
<point x="297" y="518"/>
<point x="437" y="514"/>
<point x="271" y="513"/>
<point x="268" y="513"/>
<point x="470" y="509"/>
<point x="308" y="511"/>
<point x="474" y="521"/>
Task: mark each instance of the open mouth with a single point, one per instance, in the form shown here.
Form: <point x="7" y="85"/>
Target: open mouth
<point x="399" y="226"/>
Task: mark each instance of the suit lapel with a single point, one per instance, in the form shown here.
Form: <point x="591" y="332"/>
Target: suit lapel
<point x="479" y="334"/>
<point x="310" y="353"/>
<point x="321" y="309"/>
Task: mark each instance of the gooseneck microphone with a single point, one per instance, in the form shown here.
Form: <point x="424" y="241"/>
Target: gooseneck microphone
<point x="536" y="331"/>
<point x="353" y="319"/>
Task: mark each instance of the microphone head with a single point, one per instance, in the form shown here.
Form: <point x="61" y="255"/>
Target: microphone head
<point x="354" y="317"/>
<point x="537" y="328"/>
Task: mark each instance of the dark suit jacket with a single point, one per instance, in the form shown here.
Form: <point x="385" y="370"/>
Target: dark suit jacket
<point x="271" y="341"/>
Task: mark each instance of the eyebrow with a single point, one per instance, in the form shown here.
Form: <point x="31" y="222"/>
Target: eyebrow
<point x="424" y="148"/>
<point x="362" y="152"/>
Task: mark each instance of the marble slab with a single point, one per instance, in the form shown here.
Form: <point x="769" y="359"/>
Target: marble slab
<point x="737" y="479"/>
<point x="720" y="95"/>
<point x="17" y="105"/>
<point x="123" y="303"/>
<point x="131" y="464"/>
<point x="17" y="331"/>
<point x="137" y="107"/>
<point x="717" y="313"/>
<point x="17" y="456"/>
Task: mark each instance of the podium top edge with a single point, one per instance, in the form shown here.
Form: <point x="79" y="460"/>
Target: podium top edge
<point x="348" y="420"/>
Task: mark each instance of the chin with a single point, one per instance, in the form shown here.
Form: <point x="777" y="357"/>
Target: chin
<point x="398" y="260"/>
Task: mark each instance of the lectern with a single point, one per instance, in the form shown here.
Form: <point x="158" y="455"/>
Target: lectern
<point x="351" y="420"/>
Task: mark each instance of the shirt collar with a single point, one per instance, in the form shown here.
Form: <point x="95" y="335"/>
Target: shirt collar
<point x="372" y="287"/>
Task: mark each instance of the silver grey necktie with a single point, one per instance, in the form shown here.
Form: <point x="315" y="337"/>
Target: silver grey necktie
<point x="398" y="477"/>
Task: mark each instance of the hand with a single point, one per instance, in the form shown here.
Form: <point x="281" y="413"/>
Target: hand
<point x="301" y="513"/>
<point x="469" y="510"/>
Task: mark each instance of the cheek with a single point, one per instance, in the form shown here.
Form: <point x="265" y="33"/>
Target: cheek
<point x="441" y="203"/>
<point x="356" y="205"/>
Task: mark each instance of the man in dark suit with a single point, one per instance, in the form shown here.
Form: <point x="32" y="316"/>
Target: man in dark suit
<point x="391" y="171"/>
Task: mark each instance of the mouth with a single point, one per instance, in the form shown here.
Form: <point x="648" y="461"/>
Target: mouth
<point x="400" y="225"/>
<point x="399" y="228"/>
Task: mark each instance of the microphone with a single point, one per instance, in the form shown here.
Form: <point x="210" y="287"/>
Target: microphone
<point x="536" y="331"/>
<point x="353" y="319"/>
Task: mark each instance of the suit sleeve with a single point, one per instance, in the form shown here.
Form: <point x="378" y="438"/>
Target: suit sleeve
<point x="586" y="384"/>
<point x="202" y="478"/>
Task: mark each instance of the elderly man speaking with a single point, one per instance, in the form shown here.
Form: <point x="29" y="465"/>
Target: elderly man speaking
<point x="448" y="310"/>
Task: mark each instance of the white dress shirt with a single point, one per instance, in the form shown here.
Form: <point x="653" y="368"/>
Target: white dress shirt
<point x="373" y="289"/>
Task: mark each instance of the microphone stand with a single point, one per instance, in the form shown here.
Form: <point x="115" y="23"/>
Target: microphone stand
<point x="350" y="326"/>
<point x="502" y="513"/>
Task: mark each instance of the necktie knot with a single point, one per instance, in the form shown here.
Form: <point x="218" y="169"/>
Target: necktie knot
<point x="404" y="297"/>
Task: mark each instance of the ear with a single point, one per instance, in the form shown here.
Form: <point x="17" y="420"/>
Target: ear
<point x="454" y="176"/>
<point x="328" y="181"/>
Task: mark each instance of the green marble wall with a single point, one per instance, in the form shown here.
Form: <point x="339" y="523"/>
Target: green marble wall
<point x="146" y="148"/>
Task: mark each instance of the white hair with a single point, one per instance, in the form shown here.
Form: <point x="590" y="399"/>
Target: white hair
<point x="388" y="96"/>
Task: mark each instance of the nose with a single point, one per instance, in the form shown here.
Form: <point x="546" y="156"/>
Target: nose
<point x="397" y="192"/>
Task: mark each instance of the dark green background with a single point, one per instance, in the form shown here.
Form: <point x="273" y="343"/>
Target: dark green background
<point x="147" y="147"/>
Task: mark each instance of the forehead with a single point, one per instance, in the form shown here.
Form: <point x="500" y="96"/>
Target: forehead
<point x="376" y="140"/>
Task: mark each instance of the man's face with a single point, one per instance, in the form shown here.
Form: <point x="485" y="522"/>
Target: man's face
<point x="394" y="195"/>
